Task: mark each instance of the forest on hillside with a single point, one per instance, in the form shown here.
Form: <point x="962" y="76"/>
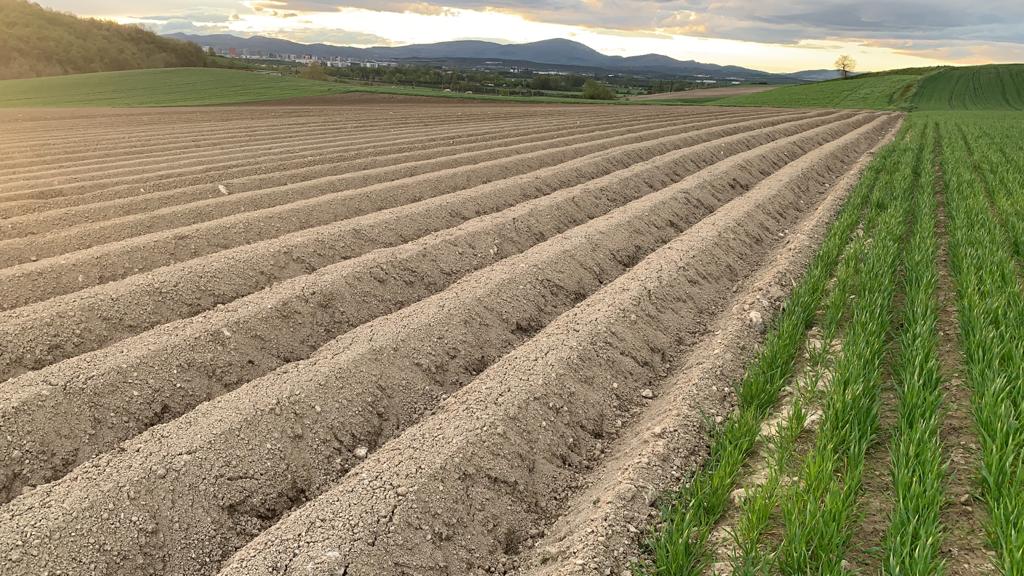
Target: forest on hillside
<point x="35" y="41"/>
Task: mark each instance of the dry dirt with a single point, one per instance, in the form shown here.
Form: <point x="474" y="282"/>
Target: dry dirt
<point x="392" y="338"/>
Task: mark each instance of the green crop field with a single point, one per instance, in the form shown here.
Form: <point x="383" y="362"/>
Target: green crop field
<point x="896" y="397"/>
<point x="993" y="87"/>
<point x="874" y="92"/>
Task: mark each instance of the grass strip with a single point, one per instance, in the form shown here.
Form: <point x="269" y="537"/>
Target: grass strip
<point x="819" y="511"/>
<point x="679" y="545"/>
<point x="912" y="542"/>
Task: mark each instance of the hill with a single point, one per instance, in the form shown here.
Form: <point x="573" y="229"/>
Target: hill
<point x="875" y="92"/>
<point x="991" y="87"/>
<point x="553" y="52"/>
<point x="35" y="42"/>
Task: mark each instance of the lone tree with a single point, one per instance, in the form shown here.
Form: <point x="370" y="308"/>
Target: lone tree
<point x="845" y="64"/>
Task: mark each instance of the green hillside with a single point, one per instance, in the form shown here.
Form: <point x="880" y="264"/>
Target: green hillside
<point x="991" y="87"/>
<point x="879" y="92"/>
<point x="37" y="42"/>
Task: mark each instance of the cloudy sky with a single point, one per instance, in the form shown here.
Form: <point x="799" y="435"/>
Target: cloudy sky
<point x="771" y="35"/>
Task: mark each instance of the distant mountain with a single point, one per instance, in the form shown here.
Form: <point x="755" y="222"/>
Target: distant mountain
<point x="35" y="41"/>
<point x="554" y="52"/>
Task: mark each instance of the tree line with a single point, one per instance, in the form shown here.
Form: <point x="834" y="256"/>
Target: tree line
<point x="35" y="41"/>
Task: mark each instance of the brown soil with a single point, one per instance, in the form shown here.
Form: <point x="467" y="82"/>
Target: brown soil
<point x="50" y="277"/>
<point x="159" y="355"/>
<point x="41" y="326"/>
<point x="422" y="344"/>
<point x="702" y="93"/>
<point x="252" y="193"/>
<point x="376" y="99"/>
<point x="549" y="408"/>
<point x="172" y="174"/>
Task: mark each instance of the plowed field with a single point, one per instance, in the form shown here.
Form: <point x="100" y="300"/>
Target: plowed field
<point x="394" y="339"/>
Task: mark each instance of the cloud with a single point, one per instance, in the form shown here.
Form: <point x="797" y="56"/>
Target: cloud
<point x="339" y="37"/>
<point x="776" y="21"/>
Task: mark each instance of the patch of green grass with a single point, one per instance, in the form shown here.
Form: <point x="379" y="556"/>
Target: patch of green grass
<point x="881" y="92"/>
<point x="991" y="87"/>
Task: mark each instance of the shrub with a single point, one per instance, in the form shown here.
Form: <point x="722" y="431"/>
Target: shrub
<point x="594" y="90"/>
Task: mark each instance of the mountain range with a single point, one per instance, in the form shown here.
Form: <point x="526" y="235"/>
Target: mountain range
<point x="556" y="52"/>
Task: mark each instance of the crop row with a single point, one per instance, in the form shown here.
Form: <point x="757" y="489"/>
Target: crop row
<point x="913" y="540"/>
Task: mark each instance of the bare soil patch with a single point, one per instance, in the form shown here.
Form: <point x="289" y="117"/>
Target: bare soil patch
<point x="381" y="335"/>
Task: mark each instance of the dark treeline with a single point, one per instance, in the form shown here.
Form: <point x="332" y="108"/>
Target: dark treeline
<point x="35" y="41"/>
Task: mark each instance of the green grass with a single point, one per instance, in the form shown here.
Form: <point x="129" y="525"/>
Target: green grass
<point x="992" y="87"/>
<point x="881" y="92"/>
<point x="201" y="86"/>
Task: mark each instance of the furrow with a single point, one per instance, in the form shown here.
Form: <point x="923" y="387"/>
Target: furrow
<point x="33" y="282"/>
<point x="118" y="143"/>
<point x="184" y="127"/>
<point x="464" y="487"/>
<point x="193" y="122"/>
<point x="173" y="171"/>
<point x="309" y="140"/>
<point x="98" y="145"/>
<point x="70" y="181"/>
<point x="181" y="189"/>
<point x="300" y="184"/>
<point x="308" y="420"/>
<point x="411" y="180"/>
<point x="178" y="365"/>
